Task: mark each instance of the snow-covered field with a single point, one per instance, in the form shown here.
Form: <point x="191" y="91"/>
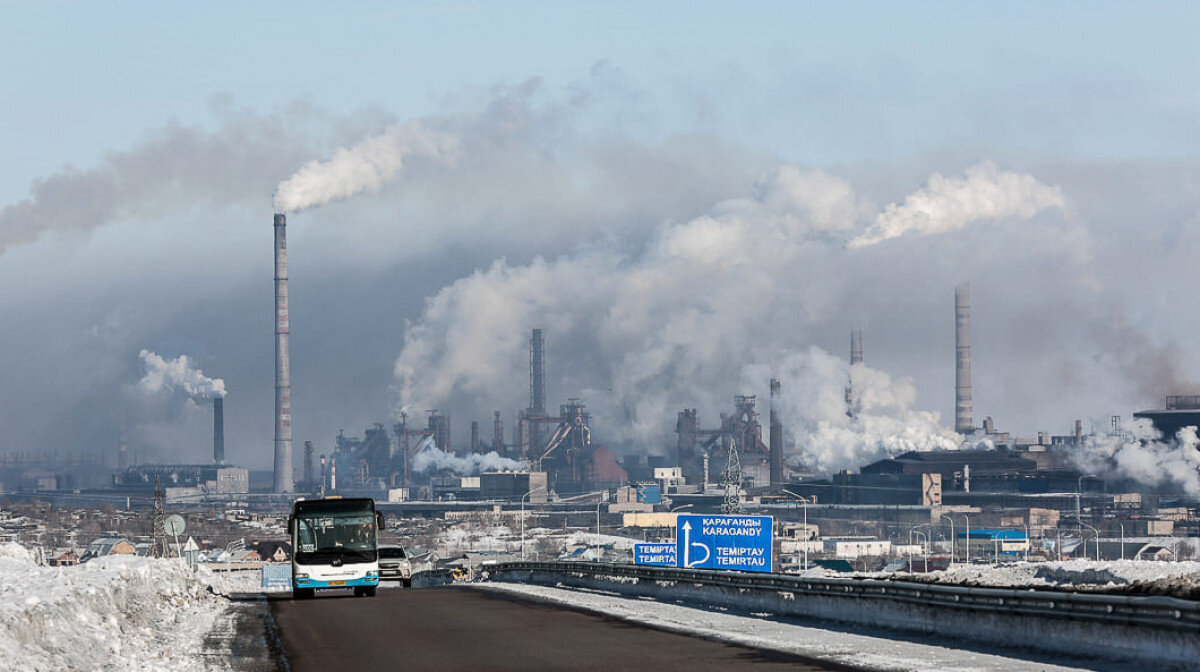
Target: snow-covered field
<point x="848" y="646"/>
<point x="115" y="613"/>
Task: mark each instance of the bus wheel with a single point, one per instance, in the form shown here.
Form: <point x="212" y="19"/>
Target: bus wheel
<point x="369" y="591"/>
<point x="303" y="593"/>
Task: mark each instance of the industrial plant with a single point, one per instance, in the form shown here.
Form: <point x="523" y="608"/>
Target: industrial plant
<point x="554" y="457"/>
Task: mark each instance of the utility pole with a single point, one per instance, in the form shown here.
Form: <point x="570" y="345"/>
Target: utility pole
<point x="158" y="517"/>
<point x="733" y="482"/>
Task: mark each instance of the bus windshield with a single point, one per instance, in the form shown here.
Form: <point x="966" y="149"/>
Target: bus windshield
<point x="329" y="532"/>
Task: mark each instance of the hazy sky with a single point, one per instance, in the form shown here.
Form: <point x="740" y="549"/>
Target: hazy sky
<point x="143" y="142"/>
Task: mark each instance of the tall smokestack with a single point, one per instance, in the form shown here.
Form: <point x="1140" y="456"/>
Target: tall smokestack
<point x="283" y="371"/>
<point x="475" y="437"/>
<point x="219" y="430"/>
<point x="537" y="373"/>
<point x="498" y="435"/>
<point x="963" y="421"/>
<point x="122" y="455"/>
<point x="856" y="347"/>
<point x="776" y="437"/>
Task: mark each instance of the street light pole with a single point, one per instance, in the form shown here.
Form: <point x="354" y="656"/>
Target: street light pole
<point x="599" y="502"/>
<point x="523" y="519"/>
<point x="804" y="505"/>
<point x="952" y="537"/>
<point x="1096" y="535"/>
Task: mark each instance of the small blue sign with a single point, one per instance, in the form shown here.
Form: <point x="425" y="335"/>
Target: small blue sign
<point x="659" y="555"/>
<point x="725" y="542"/>
<point x="649" y="493"/>
<point x="277" y="576"/>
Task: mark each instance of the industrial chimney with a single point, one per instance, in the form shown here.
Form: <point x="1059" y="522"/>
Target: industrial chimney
<point x="537" y="390"/>
<point x="776" y="437"/>
<point x="963" y="421"/>
<point x="219" y="430"/>
<point x="856" y="347"/>
<point x="122" y="455"/>
<point x="537" y="373"/>
<point x="498" y="435"/>
<point x="475" y="437"/>
<point x="283" y="374"/>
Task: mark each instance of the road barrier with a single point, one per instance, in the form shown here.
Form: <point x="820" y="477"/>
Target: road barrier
<point x="432" y="577"/>
<point x="1161" y="629"/>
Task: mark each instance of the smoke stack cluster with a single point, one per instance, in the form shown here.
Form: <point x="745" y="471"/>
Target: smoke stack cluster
<point x="283" y="372"/>
<point x="963" y="420"/>
<point x="219" y="430"/>
<point x="776" y="437"/>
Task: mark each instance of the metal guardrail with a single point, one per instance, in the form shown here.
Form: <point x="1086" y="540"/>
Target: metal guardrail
<point x="432" y="577"/>
<point x="1158" y="612"/>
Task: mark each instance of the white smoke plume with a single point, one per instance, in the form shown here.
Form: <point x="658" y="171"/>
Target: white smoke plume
<point x="365" y="167"/>
<point x="1138" y="452"/>
<point x="710" y="302"/>
<point x="469" y="465"/>
<point x="812" y="404"/>
<point x="177" y="376"/>
<point x="949" y="204"/>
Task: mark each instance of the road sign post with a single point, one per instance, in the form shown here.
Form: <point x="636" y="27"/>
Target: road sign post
<point x="725" y="542"/>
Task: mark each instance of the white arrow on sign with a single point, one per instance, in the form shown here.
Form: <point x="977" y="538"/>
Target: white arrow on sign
<point x="687" y="547"/>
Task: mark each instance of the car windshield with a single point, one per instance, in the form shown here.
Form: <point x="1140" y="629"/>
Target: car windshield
<point x="326" y="536"/>
<point x="391" y="553"/>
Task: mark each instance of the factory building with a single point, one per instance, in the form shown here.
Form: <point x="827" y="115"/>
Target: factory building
<point x="1180" y="411"/>
<point x="513" y="486"/>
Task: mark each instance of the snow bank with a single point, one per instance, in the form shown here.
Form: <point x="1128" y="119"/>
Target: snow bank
<point x="1106" y="575"/>
<point x="115" y="613"/>
<point x="593" y="539"/>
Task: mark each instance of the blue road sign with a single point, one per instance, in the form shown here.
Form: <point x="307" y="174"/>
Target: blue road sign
<point x="724" y="542"/>
<point x="277" y="576"/>
<point x="661" y="555"/>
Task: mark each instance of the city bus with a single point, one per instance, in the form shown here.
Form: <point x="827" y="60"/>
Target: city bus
<point x="335" y="545"/>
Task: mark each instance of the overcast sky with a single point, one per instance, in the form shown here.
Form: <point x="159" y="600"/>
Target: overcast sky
<point x="673" y="190"/>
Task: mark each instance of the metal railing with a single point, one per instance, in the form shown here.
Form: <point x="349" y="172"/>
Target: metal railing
<point x="1159" y="612"/>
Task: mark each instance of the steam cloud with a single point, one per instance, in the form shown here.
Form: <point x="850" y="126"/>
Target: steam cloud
<point x="949" y="204"/>
<point x="363" y="168"/>
<point x="883" y="424"/>
<point x="178" y="376"/>
<point x="1138" y="452"/>
<point x="468" y="465"/>
<point x="724" y="297"/>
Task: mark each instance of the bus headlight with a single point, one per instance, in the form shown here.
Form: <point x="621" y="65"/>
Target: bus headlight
<point x="372" y="575"/>
<point x="302" y="576"/>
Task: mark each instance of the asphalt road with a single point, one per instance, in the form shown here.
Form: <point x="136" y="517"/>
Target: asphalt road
<point x="462" y="629"/>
